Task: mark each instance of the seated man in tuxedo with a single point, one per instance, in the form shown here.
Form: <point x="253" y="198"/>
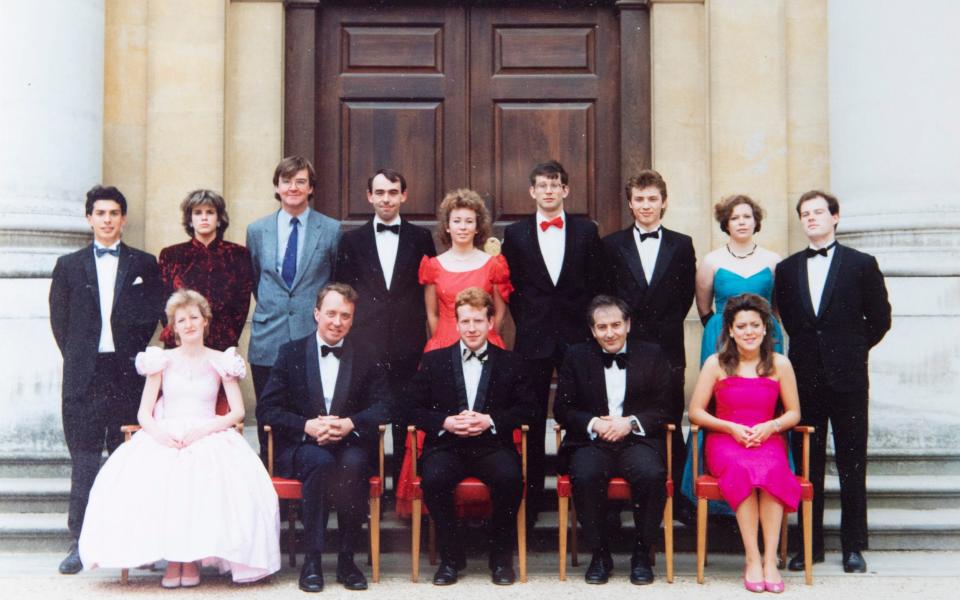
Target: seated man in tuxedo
<point x="324" y="400"/>
<point x="614" y="405"/>
<point x="468" y="398"/>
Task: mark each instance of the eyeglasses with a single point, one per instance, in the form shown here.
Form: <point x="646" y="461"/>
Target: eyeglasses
<point x="301" y="184"/>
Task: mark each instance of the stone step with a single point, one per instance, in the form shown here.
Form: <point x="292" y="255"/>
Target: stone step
<point x="916" y="492"/>
<point x="34" y="532"/>
<point x="900" y="461"/>
<point x="34" y="495"/>
<point x="902" y="529"/>
<point x="16" y="465"/>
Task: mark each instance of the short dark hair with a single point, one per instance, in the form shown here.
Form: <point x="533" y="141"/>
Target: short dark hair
<point x="551" y="170"/>
<point x="474" y="297"/>
<point x="724" y="209"/>
<point x="105" y="192"/>
<point x="199" y="198"/>
<point x="392" y="176"/>
<point x="644" y="179"/>
<point x="604" y="301"/>
<point x="290" y="166"/>
<point x="349" y="294"/>
<point x="833" y="205"/>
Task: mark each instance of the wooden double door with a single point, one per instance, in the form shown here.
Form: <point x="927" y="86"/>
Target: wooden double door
<point x="469" y="95"/>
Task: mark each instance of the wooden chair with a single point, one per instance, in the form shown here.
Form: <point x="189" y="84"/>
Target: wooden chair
<point x="707" y="488"/>
<point x="617" y="489"/>
<point x="291" y="490"/>
<point x="472" y="498"/>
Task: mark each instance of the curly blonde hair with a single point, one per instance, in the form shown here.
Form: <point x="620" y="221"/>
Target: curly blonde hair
<point x="463" y="198"/>
<point x="183" y="298"/>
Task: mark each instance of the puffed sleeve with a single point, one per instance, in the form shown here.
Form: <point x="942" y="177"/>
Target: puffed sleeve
<point x="230" y="365"/>
<point x="500" y="276"/>
<point x="150" y="361"/>
<point x="428" y="271"/>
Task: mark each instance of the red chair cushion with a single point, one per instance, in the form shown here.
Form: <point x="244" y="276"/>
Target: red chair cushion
<point x="564" y="488"/>
<point x="376" y="486"/>
<point x="471" y="498"/>
<point x="287" y="489"/>
<point x="806" y="489"/>
<point x="708" y="487"/>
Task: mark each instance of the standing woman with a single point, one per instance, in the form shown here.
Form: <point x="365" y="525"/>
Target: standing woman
<point x="219" y="270"/>
<point x="744" y="449"/>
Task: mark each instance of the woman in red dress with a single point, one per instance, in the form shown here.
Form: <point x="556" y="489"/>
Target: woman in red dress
<point x="219" y="270"/>
<point x="463" y="225"/>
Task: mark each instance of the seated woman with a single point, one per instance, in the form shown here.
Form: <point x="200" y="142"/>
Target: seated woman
<point x="187" y="487"/>
<point x="744" y="449"/>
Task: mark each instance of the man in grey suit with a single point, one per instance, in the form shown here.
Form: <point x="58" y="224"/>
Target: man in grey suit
<point x="293" y="252"/>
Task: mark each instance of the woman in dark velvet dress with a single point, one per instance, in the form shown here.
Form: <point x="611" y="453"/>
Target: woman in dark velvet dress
<point x="219" y="270"/>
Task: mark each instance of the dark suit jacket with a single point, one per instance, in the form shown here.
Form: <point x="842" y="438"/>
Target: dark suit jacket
<point x="294" y="394"/>
<point x="582" y="393"/>
<point x="551" y="316"/>
<point x="438" y="391"/>
<point x="854" y="316"/>
<point x="657" y="310"/>
<point x="390" y="323"/>
<point x="75" y="314"/>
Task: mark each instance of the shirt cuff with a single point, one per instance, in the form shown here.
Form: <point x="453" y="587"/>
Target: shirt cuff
<point x="493" y="426"/>
<point x="638" y="430"/>
<point x="590" y="431"/>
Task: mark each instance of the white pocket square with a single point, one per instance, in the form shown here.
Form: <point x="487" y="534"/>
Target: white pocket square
<point x="138" y="280"/>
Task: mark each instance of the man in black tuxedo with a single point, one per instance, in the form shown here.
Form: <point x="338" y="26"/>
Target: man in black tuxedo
<point x="468" y="398"/>
<point x="381" y="260"/>
<point x="325" y="400"/>
<point x="613" y="398"/>
<point x="554" y="260"/>
<point x="833" y="304"/>
<point x="653" y="269"/>
<point x="105" y="302"/>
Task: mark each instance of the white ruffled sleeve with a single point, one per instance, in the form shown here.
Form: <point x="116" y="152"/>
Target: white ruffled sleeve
<point x="230" y="365"/>
<point x="150" y="361"/>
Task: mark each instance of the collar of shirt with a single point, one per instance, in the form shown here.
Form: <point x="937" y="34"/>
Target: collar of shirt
<point x="541" y="219"/>
<point x="640" y="229"/>
<point x="198" y="245"/>
<point x="621" y="351"/>
<point x="321" y="343"/>
<point x="463" y="349"/>
<point x="377" y="219"/>
<point x="284" y="218"/>
<point x="831" y="247"/>
<point x="113" y="246"/>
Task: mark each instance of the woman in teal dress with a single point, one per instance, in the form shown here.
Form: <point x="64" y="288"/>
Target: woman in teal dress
<point x="740" y="266"/>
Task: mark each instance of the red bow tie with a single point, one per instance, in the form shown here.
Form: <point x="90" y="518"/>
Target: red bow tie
<point x="557" y="222"/>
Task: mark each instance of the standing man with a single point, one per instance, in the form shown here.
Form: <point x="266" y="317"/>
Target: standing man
<point x="105" y="302"/>
<point x="653" y="269"/>
<point x="325" y="401"/>
<point x="293" y="252"/>
<point x="555" y="269"/>
<point x="468" y="398"/>
<point x="833" y="303"/>
<point x="380" y="260"/>
<point x="614" y="402"/>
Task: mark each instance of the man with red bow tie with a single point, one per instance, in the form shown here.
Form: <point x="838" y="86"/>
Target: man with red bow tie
<point x="555" y="267"/>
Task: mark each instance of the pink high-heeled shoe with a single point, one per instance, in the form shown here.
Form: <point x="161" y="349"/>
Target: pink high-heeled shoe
<point x="774" y="588"/>
<point x="752" y="586"/>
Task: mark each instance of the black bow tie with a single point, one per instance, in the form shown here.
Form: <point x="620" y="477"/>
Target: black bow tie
<point x="334" y="350"/>
<point x="653" y="234"/>
<point x="480" y="356"/>
<point x="609" y="359"/>
<point x="391" y="228"/>
<point x="101" y="251"/>
<point x="820" y="251"/>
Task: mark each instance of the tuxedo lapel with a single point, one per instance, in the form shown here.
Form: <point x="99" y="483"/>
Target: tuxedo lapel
<point x="311" y="233"/>
<point x="634" y="372"/>
<point x="123" y="267"/>
<point x="803" y="288"/>
<point x="664" y="256"/>
<point x="90" y="268"/>
<point x="341" y="390"/>
<point x="535" y="254"/>
<point x="480" y="402"/>
<point x="406" y="258"/>
<point x="456" y="362"/>
<point x="314" y="383"/>
<point x="598" y="379"/>
<point x="568" y="250"/>
<point x="630" y="254"/>
<point x="369" y="254"/>
<point x="269" y="249"/>
<point x="831" y="283"/>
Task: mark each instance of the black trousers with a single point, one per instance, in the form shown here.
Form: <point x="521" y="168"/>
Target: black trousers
<point x="499" y="469"/>
<point x="540" y="374"/>
<point x="91" y="422"/>
<point x="644" y="468"/>
<point x="261" y="374"/>
<point x="676" y="417"/>
<point x="334" y="476"/>
<point x="847" y="414"/>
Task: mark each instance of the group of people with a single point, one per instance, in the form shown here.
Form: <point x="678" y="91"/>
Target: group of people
<point x="370" y="326"/>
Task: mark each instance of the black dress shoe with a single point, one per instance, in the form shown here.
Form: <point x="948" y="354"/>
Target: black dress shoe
<point x="503" y="575"/>
<point x="641" y="572"/>
<point x="853" y="563"/>
<point x="71" y="565"/>
<point x="349" y="574"/>
<point x="601" y="565"/>
<point x="796" y="561"/>
<point x="445" y="575"/>
<point x="311" y="575"/>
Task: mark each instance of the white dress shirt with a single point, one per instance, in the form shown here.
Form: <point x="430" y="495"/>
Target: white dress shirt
<point x="283" y="235"/>
<point x="106" y="282"/>
<point x="648" y="250"/>
<point x="472" y="370"/>
<point x="552" y="245"/>
<point x="616" y="382"/>
<point x="329" y="370"/>
<point x="817" y="268"/>
<point x="387" y="244"/>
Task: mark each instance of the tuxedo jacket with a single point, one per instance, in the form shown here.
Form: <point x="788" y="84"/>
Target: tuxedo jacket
<point x="390" y="323"/>
<point x="294" y="393"/>
<point x="286" y="313"/>
<point x="551" y="316"/>
<point x="657" y="310"/>
<point x="75" y="314"/>
<point x="854" y="316"/>
<point x="438" y="391"/>
<point x="582" y="393"/>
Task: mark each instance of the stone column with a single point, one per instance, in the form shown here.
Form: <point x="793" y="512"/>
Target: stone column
<point x="51" y="123"/>
<point x="895" y="167"/>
